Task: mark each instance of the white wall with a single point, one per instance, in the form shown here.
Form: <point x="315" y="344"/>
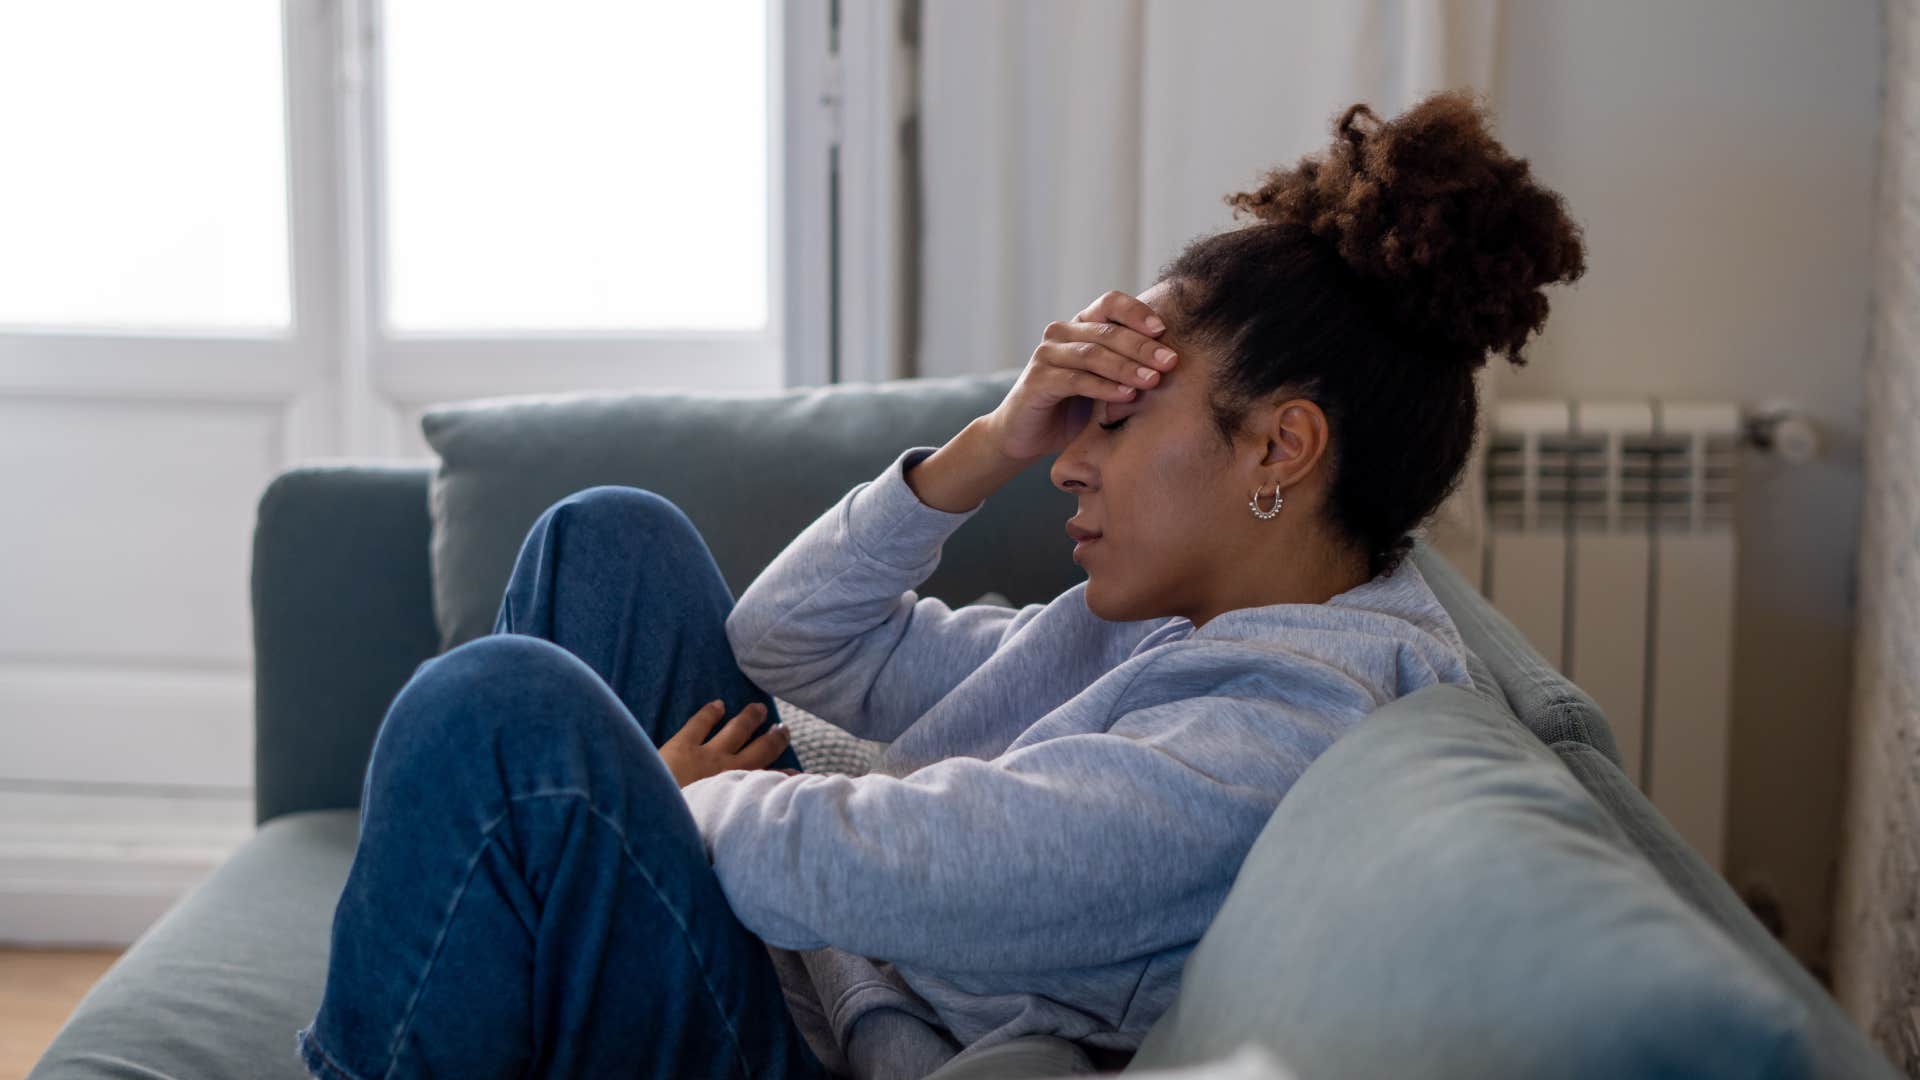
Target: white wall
<point x="1876" y="953"/>
<point x="1720" y="155"/>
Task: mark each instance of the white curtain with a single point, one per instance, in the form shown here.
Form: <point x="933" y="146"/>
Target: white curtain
<point x="1073" y="146"/>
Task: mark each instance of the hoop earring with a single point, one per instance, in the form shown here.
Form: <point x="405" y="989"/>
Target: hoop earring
<point x="1254" y="503"/>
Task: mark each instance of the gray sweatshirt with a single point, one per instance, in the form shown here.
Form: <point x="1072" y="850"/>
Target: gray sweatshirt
<point x="1064" y="800"/>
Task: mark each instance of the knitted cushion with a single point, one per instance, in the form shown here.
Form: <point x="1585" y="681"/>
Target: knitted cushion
<point x="824" y="747"/>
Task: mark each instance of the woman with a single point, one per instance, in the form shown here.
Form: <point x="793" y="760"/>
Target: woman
<point x="559" y="873"/>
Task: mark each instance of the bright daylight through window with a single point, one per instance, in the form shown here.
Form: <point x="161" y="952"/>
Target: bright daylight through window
<point x="145" y="184"/>
<point x="546" y="173"/>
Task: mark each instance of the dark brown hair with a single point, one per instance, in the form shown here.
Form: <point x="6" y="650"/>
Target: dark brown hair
<point x="1375" y="280"/>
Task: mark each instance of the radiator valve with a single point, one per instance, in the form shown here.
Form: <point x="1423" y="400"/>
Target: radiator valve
<point x="1782" y="428"/>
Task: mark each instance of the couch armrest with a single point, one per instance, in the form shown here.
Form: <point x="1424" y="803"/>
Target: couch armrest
<point x="342" y="615"/>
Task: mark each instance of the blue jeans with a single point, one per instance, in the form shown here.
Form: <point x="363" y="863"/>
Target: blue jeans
<point x="529" y="895"/>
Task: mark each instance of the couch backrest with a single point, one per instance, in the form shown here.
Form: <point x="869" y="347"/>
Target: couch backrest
<point x="1547" y="702"/>
<point x="1566" y="719"/>
<point x="750" y="469"/>
<point x="1839" y="1047"/>
<point x="1437" y="896"/>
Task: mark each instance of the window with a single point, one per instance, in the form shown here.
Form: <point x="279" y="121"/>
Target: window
<point x="379" y="204"/>
<point x="545" y="171"/>
<point x="145" y="179"/>
<point x="236" y="235"/>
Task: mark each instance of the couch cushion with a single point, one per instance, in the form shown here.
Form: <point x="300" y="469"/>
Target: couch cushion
<point x="750" y="469"/>
<point x="1547" y="702"/>
<point x="1439" y="897"/>
<point x="823" y="746"/>
<point x="217" y="988"/>
<point x="1841" y="1049"/>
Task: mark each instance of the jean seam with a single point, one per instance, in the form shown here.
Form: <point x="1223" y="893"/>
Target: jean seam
<point x="328" y="1062"/>
<point x="488" y="838"/>
<point x="439" y="941"/>
<point x="686" y="932"/>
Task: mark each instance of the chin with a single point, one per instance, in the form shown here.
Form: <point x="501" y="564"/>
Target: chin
<point x="1110" y="608"/>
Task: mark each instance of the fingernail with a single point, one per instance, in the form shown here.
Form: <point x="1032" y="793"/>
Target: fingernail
<point x="1147" y="373"/>
<point x="1164" y="356"/>
<point x="1154" y="324"/>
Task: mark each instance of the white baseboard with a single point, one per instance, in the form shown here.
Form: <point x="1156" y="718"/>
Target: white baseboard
<point x="97" y="868"/>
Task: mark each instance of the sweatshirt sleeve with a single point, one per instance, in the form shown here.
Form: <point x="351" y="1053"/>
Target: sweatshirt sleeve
<point x="1075" y="851"/>
<point x="833" y="624"/>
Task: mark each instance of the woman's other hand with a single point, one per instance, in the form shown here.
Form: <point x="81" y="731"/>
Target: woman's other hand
<point x="735" y="747"/>
<point x="1107" y="352"/>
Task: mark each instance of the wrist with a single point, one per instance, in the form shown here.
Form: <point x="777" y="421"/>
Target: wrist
<point x="960" y="475"/>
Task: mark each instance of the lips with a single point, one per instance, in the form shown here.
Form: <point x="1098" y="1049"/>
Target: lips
<point x="1077" y="534"/>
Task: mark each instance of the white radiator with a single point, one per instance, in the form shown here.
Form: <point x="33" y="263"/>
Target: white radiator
<point x="1611" y="546"/>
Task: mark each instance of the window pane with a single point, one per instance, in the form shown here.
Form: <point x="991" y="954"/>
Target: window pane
<point x="576" y="165"/>
<point x="144" y="176"/>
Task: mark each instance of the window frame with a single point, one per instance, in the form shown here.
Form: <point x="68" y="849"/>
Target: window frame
<point x="353" y="388"/>
<point x="417" y="367"/>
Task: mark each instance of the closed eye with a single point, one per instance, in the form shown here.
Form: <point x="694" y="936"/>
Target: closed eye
<point x="1115" y="425"/>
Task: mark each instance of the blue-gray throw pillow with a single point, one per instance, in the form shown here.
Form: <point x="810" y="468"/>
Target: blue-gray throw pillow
<point x="750" y="469"/>
<point x="1439" y="897"/>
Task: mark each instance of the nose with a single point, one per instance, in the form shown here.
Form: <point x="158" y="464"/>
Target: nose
<point x="1073" y="472"/>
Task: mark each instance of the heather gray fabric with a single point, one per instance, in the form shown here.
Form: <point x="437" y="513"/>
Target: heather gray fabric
<point x="1439" y="897"/>
<point x="1042" y="1057"/>
<point x="216" y="989"/>
<point x="1063" y="800"/>
<point x="1840" y="1048"/>
<point x="342" y="614"/>
<point x="1451" y="589"/>
<point x="750" y="470"/>
<point x="1034" y="1057"/>
<point x="1547" y="702"/>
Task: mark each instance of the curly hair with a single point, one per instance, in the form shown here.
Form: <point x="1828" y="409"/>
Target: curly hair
<point x="1376" y="278"/>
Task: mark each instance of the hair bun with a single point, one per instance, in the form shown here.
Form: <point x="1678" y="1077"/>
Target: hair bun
<point x="1429" y="206"/>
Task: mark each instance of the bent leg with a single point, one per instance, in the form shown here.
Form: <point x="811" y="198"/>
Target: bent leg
<point x="530" y="896"/>
<point x="621" y="578"/>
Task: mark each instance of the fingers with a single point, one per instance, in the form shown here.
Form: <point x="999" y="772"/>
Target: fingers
<point x="1090" y="368"/>
<point x="739" y="729"/>
<point x="699" y="724"/>
<point x="1110" y="351"/>
<point x="762" y="751"/>
<point x="1125" y="309"/>
<point x="1072" y="382"/>
<point x="734" y="746"/>
<point x="1130" y="348"/>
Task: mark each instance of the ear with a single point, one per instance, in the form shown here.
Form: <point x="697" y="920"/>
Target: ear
<point x="1296" y="438"/>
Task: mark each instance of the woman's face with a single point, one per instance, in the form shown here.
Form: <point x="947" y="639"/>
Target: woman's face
<point x="1160" y="490"/>
<point x="1169" y="498"/>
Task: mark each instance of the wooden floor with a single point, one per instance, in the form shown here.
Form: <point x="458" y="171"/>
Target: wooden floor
<point x="38" y="988"/>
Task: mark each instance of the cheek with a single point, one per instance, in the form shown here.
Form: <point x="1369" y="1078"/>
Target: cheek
<point x="1161" y="500"/>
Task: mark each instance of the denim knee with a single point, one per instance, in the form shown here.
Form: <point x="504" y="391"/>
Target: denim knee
<point x="618" y="510"/>
<point x="507" y="696"/>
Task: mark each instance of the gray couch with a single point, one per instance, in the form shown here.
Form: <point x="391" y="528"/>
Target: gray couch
<point x="1464" y="885"/>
